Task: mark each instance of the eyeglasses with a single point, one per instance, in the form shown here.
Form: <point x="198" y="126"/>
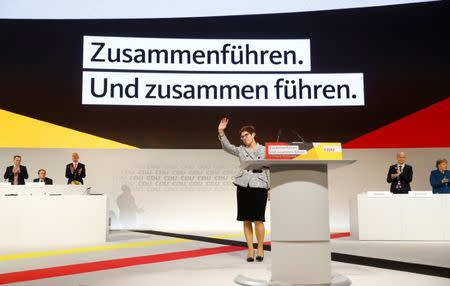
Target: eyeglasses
<point x="245" y="135"/>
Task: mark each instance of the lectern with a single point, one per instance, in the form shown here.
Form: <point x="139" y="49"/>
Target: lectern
<point x="300" y="229"/>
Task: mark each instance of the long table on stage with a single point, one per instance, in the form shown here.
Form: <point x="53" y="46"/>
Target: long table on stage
<point x="400" y="217"/>
<point x="52" y="215"/>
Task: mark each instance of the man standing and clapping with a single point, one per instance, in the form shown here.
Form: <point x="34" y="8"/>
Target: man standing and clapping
<point x="400" y="175"/>
<point x="16" y="174"/>
<point x="75" y="171"/>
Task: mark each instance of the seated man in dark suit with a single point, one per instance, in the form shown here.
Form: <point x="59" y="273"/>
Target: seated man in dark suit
<point x="16" y="174"/>
<point x="400" y="175"/>
<point x="43" y="178"/>
<point x="75" y="171"/>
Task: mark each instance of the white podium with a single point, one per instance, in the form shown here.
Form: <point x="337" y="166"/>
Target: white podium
<point x="300" y="229"/>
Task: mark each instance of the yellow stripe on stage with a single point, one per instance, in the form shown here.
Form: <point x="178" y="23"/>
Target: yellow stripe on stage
<point x="56" y="252"/>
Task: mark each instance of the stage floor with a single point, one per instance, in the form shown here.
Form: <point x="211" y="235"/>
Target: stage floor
<point x="132" y="258"/>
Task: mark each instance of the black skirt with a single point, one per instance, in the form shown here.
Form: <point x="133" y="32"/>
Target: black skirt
<point x="251" y="203"/>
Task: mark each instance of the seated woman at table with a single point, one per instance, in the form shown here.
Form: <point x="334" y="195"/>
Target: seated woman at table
<point x="439" y="178"/>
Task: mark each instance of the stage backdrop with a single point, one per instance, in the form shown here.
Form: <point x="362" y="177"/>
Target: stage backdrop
<point x="191" y="190"/>
<point x="138" y="88"/>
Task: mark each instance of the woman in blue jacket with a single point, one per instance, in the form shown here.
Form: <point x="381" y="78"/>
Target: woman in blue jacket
<point x="439" y="178"/>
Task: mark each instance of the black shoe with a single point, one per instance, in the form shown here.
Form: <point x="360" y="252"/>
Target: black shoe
<point x="251" y="258"/>
<point x="259" y="258"/>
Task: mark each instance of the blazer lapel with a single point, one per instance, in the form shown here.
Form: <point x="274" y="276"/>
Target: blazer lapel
<point x="250" y="154"/>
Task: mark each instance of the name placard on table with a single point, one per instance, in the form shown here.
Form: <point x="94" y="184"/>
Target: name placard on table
<point x="411" y="194"/>
<point x="379" y="194"/>
<point x="420" y="194"/>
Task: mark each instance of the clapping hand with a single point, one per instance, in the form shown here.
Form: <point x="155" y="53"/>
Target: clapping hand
<point x="393" y="176"/>
<point x="16" y="170"/>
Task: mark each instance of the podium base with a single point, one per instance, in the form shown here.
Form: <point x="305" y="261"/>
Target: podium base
<point x="336" y="280"/>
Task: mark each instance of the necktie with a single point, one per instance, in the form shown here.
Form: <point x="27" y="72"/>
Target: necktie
<point x="16" y="171"/>
<point x="399" y="185"/>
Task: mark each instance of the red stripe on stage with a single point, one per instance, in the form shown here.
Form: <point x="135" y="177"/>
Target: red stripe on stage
<point x="339" y="235"/>
<point x="36" y="274"/>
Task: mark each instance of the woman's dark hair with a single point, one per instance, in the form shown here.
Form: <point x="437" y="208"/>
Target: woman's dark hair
<point x="248" y="128"/>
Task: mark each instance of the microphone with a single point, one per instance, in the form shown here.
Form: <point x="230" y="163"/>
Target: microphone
<point x="87" y="191"/>
<point x="279" y="134"/>
<point x="293" y="132"/>
<point x="298" y="135"/>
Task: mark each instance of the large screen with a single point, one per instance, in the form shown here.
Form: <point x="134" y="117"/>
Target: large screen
<point x="166" y="82"/>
